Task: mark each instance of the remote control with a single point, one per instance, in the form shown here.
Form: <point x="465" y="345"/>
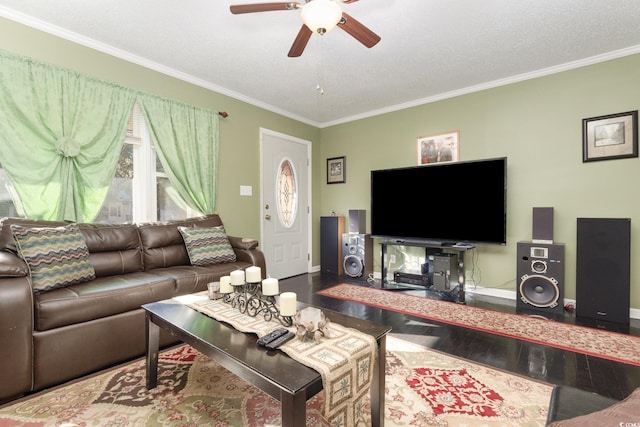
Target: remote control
<point x="279" y="341"/>
<point x="273" y="335"/>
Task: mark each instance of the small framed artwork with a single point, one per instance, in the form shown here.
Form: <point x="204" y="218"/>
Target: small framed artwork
<point x="439" y="148"/>
<point x="336" y="169"/>
<point x="610" y="137"/>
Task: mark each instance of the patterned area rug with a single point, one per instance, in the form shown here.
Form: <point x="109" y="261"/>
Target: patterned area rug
<point x="424" y="388"/>
<point x="595" y="342"/>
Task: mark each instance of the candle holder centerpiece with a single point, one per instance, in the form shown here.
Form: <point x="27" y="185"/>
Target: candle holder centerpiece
<point x="253" y="296"/>
<point x="238" y="298"/>
<point x="226" y="289"/>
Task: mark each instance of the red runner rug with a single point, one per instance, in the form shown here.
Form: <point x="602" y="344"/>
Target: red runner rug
<point x="594" y="342"/>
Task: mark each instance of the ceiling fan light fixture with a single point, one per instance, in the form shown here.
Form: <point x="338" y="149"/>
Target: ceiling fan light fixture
<point x="321" y="16"/>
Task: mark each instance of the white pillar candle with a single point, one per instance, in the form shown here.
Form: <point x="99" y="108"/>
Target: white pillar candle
<point x="225" y="285"/>
<point x="237" y="277"/>
<point x="254" y="274"/>
<point x="270" y="287"/>
<point x="288" y="304"/>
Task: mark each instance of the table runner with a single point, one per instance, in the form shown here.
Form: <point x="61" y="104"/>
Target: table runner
<point x="345" y="360"/>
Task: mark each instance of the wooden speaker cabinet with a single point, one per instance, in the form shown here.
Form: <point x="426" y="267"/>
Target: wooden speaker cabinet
<point x="331" y="230"/>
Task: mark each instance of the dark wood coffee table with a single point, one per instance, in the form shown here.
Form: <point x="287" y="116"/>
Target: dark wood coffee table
<point x="274" y="372"/>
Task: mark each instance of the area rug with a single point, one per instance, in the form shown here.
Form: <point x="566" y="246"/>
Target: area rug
<point x="594" y="342"/>
<point x="423" y="388"/>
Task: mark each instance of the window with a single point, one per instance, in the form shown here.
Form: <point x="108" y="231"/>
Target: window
<point x="287" y="193"/>
<point x="7" y="207"/>
<point x="140" y="190"/>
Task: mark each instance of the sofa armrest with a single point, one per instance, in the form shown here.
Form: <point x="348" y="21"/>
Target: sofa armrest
<point x="247" y="250"/>
<point x="242" y="242"/>
<point x="569" y="402"/>
<point x="16" y="330"/>
<point x="12" y="266"/>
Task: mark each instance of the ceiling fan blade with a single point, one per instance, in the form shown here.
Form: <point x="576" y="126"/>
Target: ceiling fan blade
<point x="263" y="7"/>
<point x="349" y="1"/>
<point x="300" y="42"/>
<point x="358" y="31"/>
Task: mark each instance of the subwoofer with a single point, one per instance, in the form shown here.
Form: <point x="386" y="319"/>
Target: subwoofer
<point x="357" y="254"/>
<point x="540" y="282"/>
<point x="445" y="272"/>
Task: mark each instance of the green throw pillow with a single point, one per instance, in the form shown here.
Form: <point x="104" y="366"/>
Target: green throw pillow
<point x="56" y="256"/>
<point x="207" y="245"/>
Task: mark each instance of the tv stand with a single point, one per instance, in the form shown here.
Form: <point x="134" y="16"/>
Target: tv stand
<point x="430" y="249"/>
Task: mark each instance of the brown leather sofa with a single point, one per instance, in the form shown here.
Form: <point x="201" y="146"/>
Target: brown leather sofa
<point x="51" y="337"/>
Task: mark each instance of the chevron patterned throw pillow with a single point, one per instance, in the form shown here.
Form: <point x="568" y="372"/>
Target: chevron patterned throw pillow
<point x="207" y="245"/>
<point x="56" y="256"/>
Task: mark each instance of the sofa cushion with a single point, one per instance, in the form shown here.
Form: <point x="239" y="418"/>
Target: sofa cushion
<point x="113" y="248"/>
<point x="207" y="245"/>
<point x="56" y="256"/>
<point x="102" y="297"/>
<point x="162" y="243"/>
<point x="193" y="278"/>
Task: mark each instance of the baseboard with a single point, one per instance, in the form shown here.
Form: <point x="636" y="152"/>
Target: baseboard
<point x="491" y="292"/>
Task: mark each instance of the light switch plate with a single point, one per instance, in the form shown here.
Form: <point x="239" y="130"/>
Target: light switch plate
<point x="246" y="190"/>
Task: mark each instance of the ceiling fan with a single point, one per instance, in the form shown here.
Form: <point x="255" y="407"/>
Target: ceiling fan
<point x="319" y="16"/>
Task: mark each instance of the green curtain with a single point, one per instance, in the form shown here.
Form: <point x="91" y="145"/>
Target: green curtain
<point x="186" y="140"/>
<point x="61" y="134"/>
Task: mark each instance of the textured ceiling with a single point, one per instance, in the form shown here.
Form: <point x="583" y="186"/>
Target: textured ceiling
<point x="430" y="49"/>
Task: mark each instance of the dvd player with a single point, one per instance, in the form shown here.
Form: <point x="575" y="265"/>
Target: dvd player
<point x="411" y="277"/>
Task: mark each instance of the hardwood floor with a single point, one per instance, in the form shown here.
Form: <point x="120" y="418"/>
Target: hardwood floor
<point x="551" y="365"/>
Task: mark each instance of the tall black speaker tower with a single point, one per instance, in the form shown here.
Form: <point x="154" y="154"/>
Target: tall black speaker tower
<point x="331" y="230"/>
<point x="603" y="268"/>
<point x="540" y="284"/>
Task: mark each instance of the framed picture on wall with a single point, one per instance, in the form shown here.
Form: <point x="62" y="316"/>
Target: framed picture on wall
<point x="439" y="148"/>
<point x="610" y="137"/>
<point x="336" y="170"/>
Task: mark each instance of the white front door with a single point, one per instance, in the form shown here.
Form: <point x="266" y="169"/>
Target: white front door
<point x="285" y="188"/>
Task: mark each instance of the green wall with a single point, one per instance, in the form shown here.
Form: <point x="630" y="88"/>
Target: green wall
<point x="536" y="124"/>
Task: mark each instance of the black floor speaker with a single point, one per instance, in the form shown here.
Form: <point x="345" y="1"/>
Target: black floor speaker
<point x="540" y="284"/>
<point x="331" y="231"/>
<point x="357" y="254"/>
<point x="603" y="259"/>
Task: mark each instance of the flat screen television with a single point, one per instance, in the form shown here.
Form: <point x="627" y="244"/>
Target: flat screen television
<point x="441" y="203"/>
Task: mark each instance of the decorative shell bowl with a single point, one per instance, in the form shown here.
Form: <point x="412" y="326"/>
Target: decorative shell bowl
<point x="311" y="324"/>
